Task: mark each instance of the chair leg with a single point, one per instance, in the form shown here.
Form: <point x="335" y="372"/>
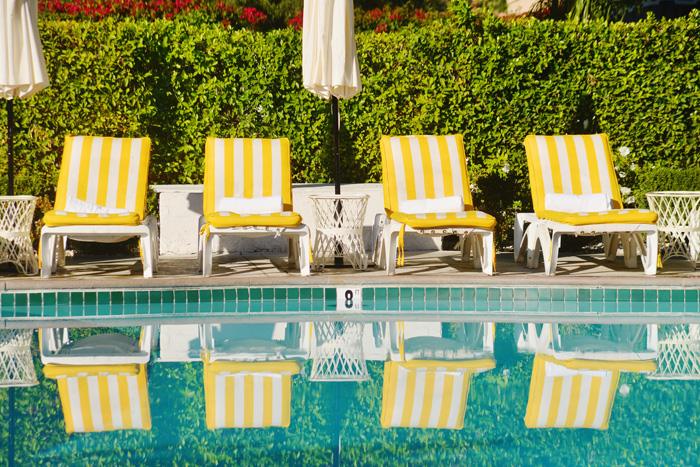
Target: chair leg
<point x="652" y="252"/>
<point x="610" y="246"/>
<point x="206" y="254"/>
<point x="147" y="253"/>
<point x="155" y="243"/>
<point x="391" y="240"/>
<point x="465" y="247"/>
<point x="48" y="254"/>
<point x="61" y="260"/>
<point x="550" y="264"/>
<point x="488" y="252"/>
<point x="518" y="229"/>
<point x="304" y="249"/>
<point x="293" y="251"/>
<point x="377" y="243"/>
<point x="478" y="247"/>
<point x="630" y="250"/>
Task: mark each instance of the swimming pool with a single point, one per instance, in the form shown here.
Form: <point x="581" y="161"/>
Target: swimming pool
<point x="652" y="421"/>
<point x="260" y="304"/>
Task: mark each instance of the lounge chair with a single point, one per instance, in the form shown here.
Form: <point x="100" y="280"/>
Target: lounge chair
<point x="101" y="197"/>
<point x="576" y="393"/>
<point x="612" y="342"/>
<point x="248" y="193"/>
<point x="248" y="371"/>
<point x="102" y="380"/>
<point x="427" y="380"/>
<point x="575" y="192"/>
<point x="426" y="192"/>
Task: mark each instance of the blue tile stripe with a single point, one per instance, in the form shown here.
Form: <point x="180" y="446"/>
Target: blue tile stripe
<point x="127" y="303"/>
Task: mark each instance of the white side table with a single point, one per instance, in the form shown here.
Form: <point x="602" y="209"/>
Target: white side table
<point x="338" y="352"/>
<point x="678" y="223"/>
<point x="16" y="216"/>
<point x="339" y="220"/>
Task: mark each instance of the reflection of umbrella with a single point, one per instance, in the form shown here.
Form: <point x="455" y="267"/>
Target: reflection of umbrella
<point x="22" y="65"/>
<point x="329" y="58"/>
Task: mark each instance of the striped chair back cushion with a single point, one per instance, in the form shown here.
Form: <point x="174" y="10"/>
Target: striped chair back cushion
<point x="102" y="398"/>
<point x="248" y="395"/>
<point x="428" y="393"/>
<point x="571" y="164"/>
<point x="246" y="168"/>
<point x="110" y="172"/>
<point x="562" y="397"/>
<point x="424" y="167"/>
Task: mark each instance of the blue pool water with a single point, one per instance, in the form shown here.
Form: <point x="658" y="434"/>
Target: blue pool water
<point x="652" y="421"/>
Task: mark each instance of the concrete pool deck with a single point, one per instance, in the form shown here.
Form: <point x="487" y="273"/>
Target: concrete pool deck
<point x="422" y="268"/>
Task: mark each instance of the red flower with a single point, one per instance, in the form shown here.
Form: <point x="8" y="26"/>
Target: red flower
<point x="381" y="28"/>
<point x="297" y="22"/>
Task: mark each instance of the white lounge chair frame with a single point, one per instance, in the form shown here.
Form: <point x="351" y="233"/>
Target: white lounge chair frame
<point x="548" y="233"/>
<point x="53" y="350"/>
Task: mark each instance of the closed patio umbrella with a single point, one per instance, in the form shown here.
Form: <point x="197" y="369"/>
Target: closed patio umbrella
<point x="329" y="58"/>
<point x="22" y="65"/>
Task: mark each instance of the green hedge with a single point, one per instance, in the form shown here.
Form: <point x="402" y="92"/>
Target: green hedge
<point x="494" y="81"/>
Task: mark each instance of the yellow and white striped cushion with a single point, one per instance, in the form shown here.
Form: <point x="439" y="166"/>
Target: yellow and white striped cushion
<point x="231" y="219"/>
<point x="110" y="172"/>
<point x="248" y="394"/>
<point x="446" y="220"/>
<point x="575" y="393"/>
<point x="579" y="165"/>
<point x="246" y="168"/>
<point x="428" y="393"/>
<point x="102" y="398"/>
<point x="423" y="167"/>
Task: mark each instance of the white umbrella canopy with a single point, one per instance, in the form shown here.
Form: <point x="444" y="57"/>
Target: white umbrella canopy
<point x="22" y="64"/>
<point x="329" y="55"/>
<point x="329" y="58"/>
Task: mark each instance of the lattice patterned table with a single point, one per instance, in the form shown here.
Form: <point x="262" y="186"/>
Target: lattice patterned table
<point x="678" y="224"/>
<point x="338" y="354"/>
<point x="339" y="221"/>
<point x="16" y="216"/>
<point x="679" y="352"/>
<point x="16" y="363"/>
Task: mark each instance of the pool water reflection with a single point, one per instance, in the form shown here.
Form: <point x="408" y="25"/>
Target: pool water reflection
<point x="430" y="393"/>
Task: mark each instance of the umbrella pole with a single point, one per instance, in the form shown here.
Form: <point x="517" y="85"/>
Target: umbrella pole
<point x="335" y="116"/>
<point x="10" y="149"/>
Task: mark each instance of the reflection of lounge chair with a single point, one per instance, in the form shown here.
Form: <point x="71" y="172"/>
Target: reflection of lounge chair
<point x="101" y="197"/>
<point x="423" y="391"/>
<point x="101" y="379"/>
<point x="575" y="393"/>
<point x="575" y="192"/>
<point x="612" y="342"/>
<point x="248" y="193"/>
<point x="248" y="372"/>
<point x="426" y="192"/>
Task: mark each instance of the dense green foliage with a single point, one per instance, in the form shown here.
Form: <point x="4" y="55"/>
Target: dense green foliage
<point x="667" y="179"/>
<point x="494" y="81"/>
<point x="655" y="424"/>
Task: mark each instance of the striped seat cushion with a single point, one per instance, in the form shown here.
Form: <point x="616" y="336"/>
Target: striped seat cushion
<point x="248" y="394"/>
<point x="102" y="397"/>
<point x="246" y="168"/>
<point x="428" y="393"/>
<point x="109" y="172"/>
<point x="57" y="218"/>
<point x="446" y="219"/>
<point x="230" y="219"/>
<point x="428" y="167"/>
<point x="615" y="216"/>
<point x="579" y="165"/>
<point x="575" y="393"/>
